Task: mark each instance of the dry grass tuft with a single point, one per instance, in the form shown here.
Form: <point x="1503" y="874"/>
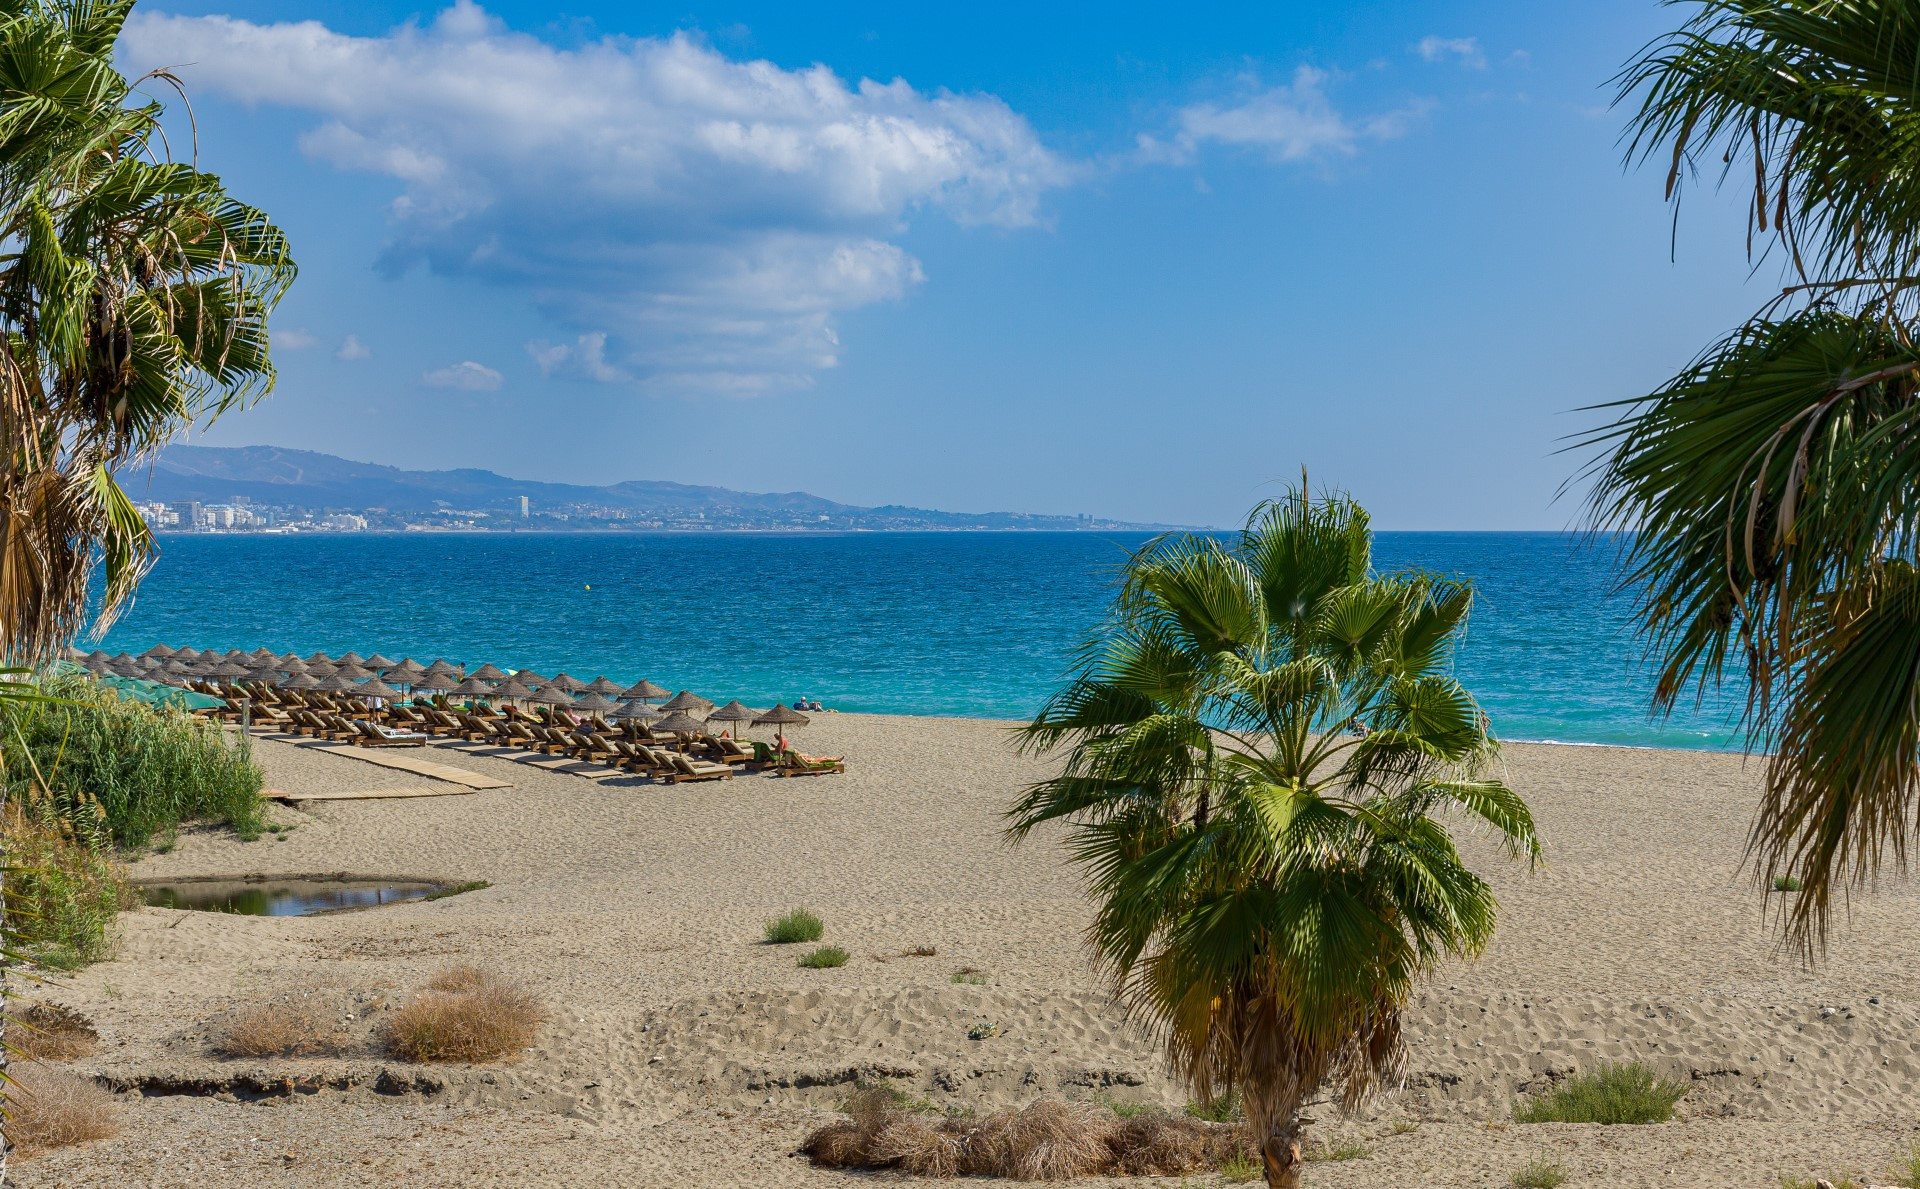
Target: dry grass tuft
<point x="51" y="1032"/>
<point x="300" y="1025"/>
<point x="469" y="1015"/>
<point x="50" y="1108"/>
<point x="459" y="978"/>
<point x="1048" y="1140"/>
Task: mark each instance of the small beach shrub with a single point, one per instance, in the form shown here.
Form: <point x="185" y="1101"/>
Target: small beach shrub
<point x="1046" y="1140"/>
<point x="1906" y="1170"/>
<point x="1334" y="1150"/>
<point x="1540" y="1173"/>
<point x="50" y="1032"/>
<point x="798" y="925"/>
<point x="825" y="958"/>
<point x="1785" y="883"/>
<point x="984" y="1030"/>
<point x="121" y="771"/>
<point x="1223" y="1108"/>
<point x="1240" y="1169"/>
<point x="63" y="895"/>
<point x="1624" y="1092"/>
<point x="969" y="977"/>
<point x="1123" y="1108"/>
<point x="458" y="978"/>
<point x="482" y="1020"/>
<point x="299" y="1025"/>
<point x="49" y="1108"/>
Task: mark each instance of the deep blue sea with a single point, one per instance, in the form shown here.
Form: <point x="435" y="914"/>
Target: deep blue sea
<point x="903" y="623"/>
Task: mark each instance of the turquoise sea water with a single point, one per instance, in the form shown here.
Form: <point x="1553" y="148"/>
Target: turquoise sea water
<point x="912" y="623"/>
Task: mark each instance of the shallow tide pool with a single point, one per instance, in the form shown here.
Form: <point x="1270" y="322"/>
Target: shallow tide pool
<point x="284" y="897"/>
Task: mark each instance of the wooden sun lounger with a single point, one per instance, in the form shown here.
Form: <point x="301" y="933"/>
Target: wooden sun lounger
<point x="684" y="769"/>
<point x="369" y="735"/>
<point x="792" y="763"/>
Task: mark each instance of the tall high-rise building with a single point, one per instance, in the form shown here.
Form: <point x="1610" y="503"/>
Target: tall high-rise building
<point x="523" y="507"/>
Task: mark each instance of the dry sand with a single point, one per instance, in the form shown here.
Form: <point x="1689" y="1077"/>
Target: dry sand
<point x="684" y="1052"/>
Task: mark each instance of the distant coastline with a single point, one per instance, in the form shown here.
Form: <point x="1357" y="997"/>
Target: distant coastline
<point x="273" y="490"/>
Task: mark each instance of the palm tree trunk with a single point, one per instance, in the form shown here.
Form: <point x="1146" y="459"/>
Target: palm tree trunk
<point x="1273" y="1117"/>
<point x="1280" y="1155"/>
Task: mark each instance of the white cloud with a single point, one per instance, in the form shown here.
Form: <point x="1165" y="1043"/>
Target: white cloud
<point x="292" y="339"/>
<point x="1293" y="121"/>
<point x="710" y="216"/>
<point x="467" y="376"/>
<point x="1464" y="50"/>
<point x="352" y="348"/>
<point x="585" y="358"/>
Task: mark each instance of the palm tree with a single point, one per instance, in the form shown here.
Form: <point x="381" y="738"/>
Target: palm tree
<point x="134" y="295"/>
<point x="1257" y="747"/>
<point x="1769" y="494"/>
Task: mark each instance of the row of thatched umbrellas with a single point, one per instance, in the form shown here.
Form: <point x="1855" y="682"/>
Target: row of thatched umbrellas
<point x="378" y="676"/>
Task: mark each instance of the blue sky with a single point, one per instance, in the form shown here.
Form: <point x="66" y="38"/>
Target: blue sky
<point x="1142" y="262"/>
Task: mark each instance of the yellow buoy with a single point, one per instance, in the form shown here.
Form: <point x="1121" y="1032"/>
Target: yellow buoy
<point x="589" y="586"/>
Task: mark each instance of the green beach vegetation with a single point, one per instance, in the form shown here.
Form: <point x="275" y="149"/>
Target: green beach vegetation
<point x="120" y="772"/>
<point x="1768" y="491"/>
<point x="796" y="926"/>
<point x="1614" y="1093"/>
<point x="85" y="775"/>
<point x="1256" y="751"/>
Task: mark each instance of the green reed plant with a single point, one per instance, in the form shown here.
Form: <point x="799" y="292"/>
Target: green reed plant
<point x="798" y="925"/>
<point x="1540" y="1173"/>
<point x="825" y="958"/>
<point x="62" y="895"/>
<point x="1624" y="1092"/>
<point x="122" y="772"/>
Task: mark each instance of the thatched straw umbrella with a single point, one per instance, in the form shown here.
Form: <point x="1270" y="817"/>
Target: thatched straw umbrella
<point x="550" y="695"/>
<point x="351" y="657"/>
<point x="320" y="658"/>
<point x="572" y="685"/>
<point x="605" y="687"/>
<point x="734" y="712"/>
<point x="335" y="684"/>
<point x="434" y="682"/>
<point x="592" y="703"/>
<point x="639" y="712"/>
<point x="680" y="723"/>
<point x="489" y="672"/>
<point x="186" y="653"/>
<point x="642" y="691"/>
<point x="301" y="681"/>
<point x="262" y="653"/>
<point x="408" y="667"/>
<point x="376" y="661"/>
<point x="782" y="717"/>
<point x="687" y="700"/>
<point x="228" y="669"/>
<point x="472" y="688"/>
<point x="352" y="670"/>
<point x="529" y="678"/>
<point x="376" y="689"/>
<point x="158" y="652"/>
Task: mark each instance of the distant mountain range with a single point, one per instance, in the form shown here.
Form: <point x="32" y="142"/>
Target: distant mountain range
<point x="314" y="483"/>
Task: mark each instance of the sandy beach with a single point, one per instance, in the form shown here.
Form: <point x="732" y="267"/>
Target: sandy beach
<point x="683" y="1051"/>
